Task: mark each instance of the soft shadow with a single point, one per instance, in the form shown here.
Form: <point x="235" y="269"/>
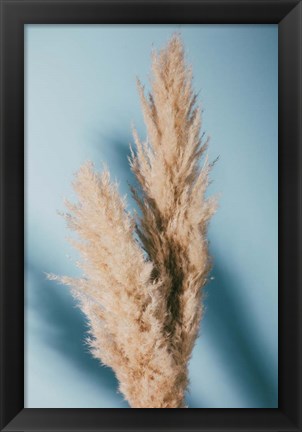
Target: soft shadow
<point x="192" y="402"/>
<point x="231" y="329"/>
<point x="66" y="327"/>
<point x="114" y="151"/>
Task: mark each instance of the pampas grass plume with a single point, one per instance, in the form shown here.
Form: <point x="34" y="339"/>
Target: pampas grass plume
<point x="143" y="276"/>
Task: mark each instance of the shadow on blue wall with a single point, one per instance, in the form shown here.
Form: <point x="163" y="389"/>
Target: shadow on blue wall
<point x="66" y="328"/>
<point x="231" y="329"/>
<point x="114" y="151"/>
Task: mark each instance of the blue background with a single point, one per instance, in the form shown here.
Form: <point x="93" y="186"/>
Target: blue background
<point x="81" y="100"/>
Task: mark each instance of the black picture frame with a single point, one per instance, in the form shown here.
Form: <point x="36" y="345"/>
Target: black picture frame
<point x="16" y="13"/>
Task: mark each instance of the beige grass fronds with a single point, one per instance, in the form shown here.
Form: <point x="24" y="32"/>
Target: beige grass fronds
<point x="143" y="300"/>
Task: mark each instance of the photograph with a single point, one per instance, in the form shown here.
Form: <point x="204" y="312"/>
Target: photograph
<point x="151" y="216"/>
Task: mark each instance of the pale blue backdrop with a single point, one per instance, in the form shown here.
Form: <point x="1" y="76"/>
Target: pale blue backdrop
<point x="81" y="100"/>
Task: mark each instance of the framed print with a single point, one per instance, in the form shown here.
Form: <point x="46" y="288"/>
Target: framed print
<point x="150" y="215"/>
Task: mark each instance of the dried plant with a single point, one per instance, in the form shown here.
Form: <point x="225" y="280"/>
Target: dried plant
<point x="143" y="275"/>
